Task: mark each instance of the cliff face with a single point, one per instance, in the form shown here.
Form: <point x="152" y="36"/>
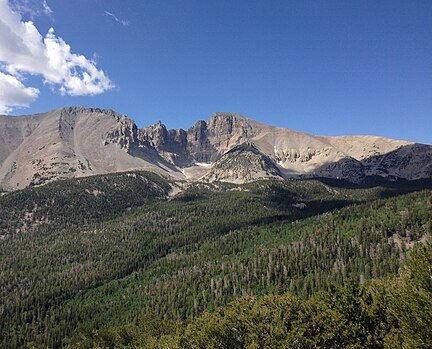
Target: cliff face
<point x="75" y="141"/>
<point x="207" y="141"/>
<point x="172" y="144"/>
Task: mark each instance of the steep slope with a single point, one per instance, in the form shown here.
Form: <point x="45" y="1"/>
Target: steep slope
<point x="171" y="144"/>
<point x="73" y="142"/>
<point x="410" y="162"/>
<point x="223" y="131"/>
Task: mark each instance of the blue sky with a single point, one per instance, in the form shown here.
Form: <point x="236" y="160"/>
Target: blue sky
<point x="323" y="67"/>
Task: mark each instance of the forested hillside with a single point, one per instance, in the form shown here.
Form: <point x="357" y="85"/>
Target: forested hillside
<point x="75" y="202"/>
<point x="391" y="313"/>
<point x="118" y="249"/>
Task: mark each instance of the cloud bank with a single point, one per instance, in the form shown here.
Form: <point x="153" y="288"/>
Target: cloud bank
<point x="23" y="50"/>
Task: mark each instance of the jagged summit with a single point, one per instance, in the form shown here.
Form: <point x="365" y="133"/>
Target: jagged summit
<point x="227" y="117"/>
<point x="79" y="141"/>
<point x="243" y="163"/>
<point x="80" y="109"/>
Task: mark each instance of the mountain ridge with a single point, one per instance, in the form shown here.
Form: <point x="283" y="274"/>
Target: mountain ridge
<point x="78" y="141"/>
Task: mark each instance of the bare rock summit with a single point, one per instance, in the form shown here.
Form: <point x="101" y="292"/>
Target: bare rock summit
<point x="76" y="141"/>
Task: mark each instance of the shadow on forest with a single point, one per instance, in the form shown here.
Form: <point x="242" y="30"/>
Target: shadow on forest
<point x="313" y="208"/>
<point x="388" y="188"/>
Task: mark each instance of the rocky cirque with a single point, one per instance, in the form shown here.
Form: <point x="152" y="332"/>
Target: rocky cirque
<point x="76" y="141"/>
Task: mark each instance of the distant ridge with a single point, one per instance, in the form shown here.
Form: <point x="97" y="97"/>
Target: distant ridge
<point x="76" y="141"/>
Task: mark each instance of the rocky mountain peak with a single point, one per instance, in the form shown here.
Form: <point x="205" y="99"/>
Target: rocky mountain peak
<point x="225" y="117"/>
<point x="246" y="146"/>
<point x="78" y="141"/>
<point x="227" y="120"/>
<point x="171" y="144"/>
<point x="78" y="110"/>
<point x="227" y="125"/>
<point x="156" y="132"/>
<point x="244" y="162"/>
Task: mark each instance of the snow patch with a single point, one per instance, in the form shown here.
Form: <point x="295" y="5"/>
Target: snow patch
<point x="281" y="163"/>
<point x="203" y="164"/>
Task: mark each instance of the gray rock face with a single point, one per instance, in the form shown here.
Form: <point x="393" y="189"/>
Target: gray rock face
<point x="207" y="141"/>
<point x="75" y="141"/>
<point x="172" y="144"/>
<point x="198" y="144"/>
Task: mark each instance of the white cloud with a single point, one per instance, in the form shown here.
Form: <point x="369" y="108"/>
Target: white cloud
<point x="118" y="20"/>
<point x="46" y="8"/>
<point x="23" y="50"/>
<point x="33" y="8"/>
<point x="14" y="94"/>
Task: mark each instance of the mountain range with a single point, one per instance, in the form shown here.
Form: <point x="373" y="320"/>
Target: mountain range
<point x="76" y="142"/>
<point x="158" y="238"/>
